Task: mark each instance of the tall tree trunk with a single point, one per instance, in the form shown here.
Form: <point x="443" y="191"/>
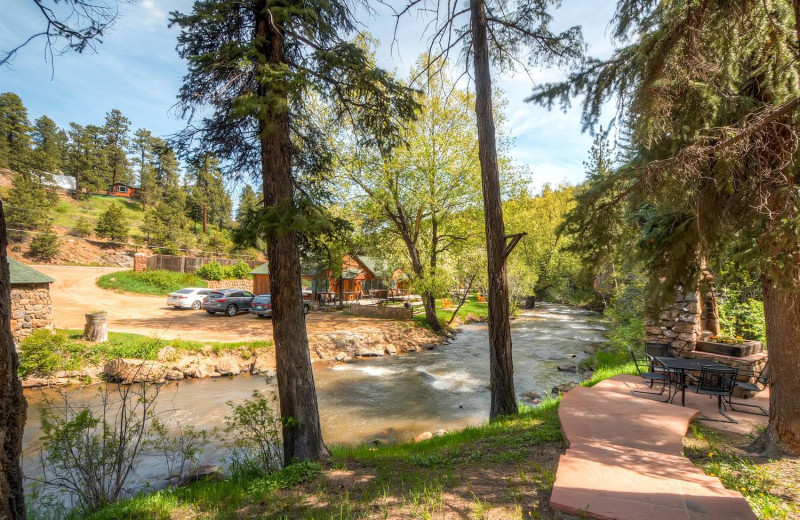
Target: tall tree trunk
<point x="504" y="399"/>
<point x="302" y="435"/>
<point x="782" y="317"/>
<point x="13" y="406"/>
<point x="428" y="301"/>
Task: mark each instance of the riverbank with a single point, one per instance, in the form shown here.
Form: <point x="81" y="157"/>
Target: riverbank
<point x="64" y="358"/>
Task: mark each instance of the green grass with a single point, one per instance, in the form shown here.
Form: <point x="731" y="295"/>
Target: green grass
<point x="46" y="353"/>
<point x="471" y="306"/>
<point x="67" y="212"/>
<point x="149" y="282"/>
<point x="409" y="478"/>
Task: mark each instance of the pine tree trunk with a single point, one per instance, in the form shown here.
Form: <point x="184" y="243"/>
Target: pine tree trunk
<point x="302" y="434"/>
<point x="504" y="399"/>
<point x="13" y="406"/>
<point x="782" y="316"/>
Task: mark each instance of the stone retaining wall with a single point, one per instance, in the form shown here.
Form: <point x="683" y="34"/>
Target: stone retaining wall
<point x="678" y="324"/>
<point x="244" y="285"/>
<point x="375" y="311"/>
<point x="139" y="262"/>
<point x="31" y="309"/>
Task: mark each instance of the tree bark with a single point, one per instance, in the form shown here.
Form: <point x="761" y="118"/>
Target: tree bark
<point x="428" y="301"/>
<point x="13" y="406"/>
<point x="504" y="399"/>
<point x="782" y="316"/>
<point x="96" y="328"/>
<point x="302" y="435"/>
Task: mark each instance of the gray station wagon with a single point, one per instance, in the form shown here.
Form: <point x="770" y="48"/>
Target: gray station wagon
<point x="229" y="301"/>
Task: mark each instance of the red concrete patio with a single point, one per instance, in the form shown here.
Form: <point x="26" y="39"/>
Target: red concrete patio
<point x="625" y="459"/>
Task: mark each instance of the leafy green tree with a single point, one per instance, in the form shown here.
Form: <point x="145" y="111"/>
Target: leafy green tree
<point x="510" y="36"/>
<point x="253" y="64"/>
<point x="44" y="245"/>
<point x="29" y="202"/>
<point x="426" y="194"/>
<point x="47" y="156"/>
<point x="713" y="142"/>
<point x="115" y="131"/>
<point x="15" y="128"/>
<point x="112" y="224"/>
<point x="142" y="148"/>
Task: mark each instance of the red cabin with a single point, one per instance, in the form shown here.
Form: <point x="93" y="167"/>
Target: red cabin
<point x="123" y="190"/>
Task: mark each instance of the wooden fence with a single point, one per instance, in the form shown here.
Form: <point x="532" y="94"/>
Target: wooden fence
<point x="190" y="264"/>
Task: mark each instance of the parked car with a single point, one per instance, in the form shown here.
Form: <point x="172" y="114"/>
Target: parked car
<point x="229" y="301"/>
<point x="188" y="298"/>
<point x="262" y="306"/>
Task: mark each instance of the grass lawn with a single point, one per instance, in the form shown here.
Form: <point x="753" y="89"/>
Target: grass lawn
<point x="43" y="353"/>
<point x="505" y="469"/>
<point x="67" y="212"/>
<point x="471" y="306"/>
<point x="157" y="283"/>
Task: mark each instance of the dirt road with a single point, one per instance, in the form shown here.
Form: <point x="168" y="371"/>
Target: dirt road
<point x="75" y="293"/>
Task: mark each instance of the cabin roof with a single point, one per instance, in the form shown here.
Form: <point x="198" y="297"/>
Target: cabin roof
<point x="22" y="274"/>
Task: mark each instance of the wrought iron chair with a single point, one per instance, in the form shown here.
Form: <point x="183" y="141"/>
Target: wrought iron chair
<point x="715" y="381"/>
<point x="761" y="382"/>
<point x="645" y="367"/>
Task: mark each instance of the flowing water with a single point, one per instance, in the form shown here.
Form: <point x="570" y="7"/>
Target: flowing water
<point x="389" y="398"/>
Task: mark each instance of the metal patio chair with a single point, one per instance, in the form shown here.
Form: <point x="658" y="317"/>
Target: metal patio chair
<point x="647" y="370"/>
<point x="761" y="382"/>
<point x="715" y="381"/>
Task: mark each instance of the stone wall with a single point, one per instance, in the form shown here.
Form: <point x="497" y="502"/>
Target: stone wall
<point x="31" y="309"/>
<point x="140" y="262"/>
<point x="375" y="311"/>
<point x="244" y="285"/>
<point x="678" y="324"/>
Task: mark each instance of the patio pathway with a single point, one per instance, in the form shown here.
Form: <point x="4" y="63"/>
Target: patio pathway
<point x="624" y="460"/>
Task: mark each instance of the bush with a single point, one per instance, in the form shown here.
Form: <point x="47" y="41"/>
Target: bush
<point x="240" y="271"/>
<point x="44" y="246"/>
<point x="256" y="432"/>
<point x="82" y="227"/>
<point x="112" y="224"/>
<point x="211" y="271"/>
<point x="43" y="353"/>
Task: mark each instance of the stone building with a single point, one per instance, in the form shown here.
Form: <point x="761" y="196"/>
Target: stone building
<point x="31" y="306"/>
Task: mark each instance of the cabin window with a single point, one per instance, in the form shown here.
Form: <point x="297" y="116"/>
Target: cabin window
<point x="122" y="189"/>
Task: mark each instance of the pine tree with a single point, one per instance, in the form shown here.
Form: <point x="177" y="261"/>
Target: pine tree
<point x="29" y="202"/>
<point x="112" y="224"/>
<point x="44" y="245"/>
<point x="15" y="147"/>
<point x="116" y="131"/>
<point x="143" y="162"/>
<point x="86" y="160"/>
<point x="208" y="200"/>
<point x="47" y="155"/>
<point x="166" y="167"/>
<point x="252" y="64"/>
<point x="248" y="202"/>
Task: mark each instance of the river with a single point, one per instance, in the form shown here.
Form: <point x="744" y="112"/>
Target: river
<point x="390" y="398"/>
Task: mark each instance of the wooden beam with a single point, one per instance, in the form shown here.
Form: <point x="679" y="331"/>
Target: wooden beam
<point x="515" y="238"/>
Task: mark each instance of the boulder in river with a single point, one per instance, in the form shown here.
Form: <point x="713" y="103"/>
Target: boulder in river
<point x="260" y="365"/>
<point x="167" y="353"/>
<point x="367" y="352"/>
<point x="568" y="368"/>
<point x="423" y="437"/>
<point x="533" y="394"/>
<point x="134" y="371"/>
<point x="204" y="472"/>
<point x="563" y="388"/>
<point x="341" y="356"/>
<point x="228" y="366"/>
<point x="439" y="433"/>
<point x="390" y="349"/>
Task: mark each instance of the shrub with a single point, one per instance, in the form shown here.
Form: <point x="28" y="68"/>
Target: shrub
<point x="44" y="246"/>
<point x="256" y="432"/>
<point x="82" y="227"/>
<point x="43" y="353"/>
<point x="211" y="271"/>
<point x="112" y="224"/>
<point x="240" y="271"/>
<point x="149" y="282"/>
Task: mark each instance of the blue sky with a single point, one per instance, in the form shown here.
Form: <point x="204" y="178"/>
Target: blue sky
<point x="137" y="70"/>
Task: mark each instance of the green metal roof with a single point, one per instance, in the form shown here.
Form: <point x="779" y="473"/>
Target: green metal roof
<point x="376" y="266"/>
<point x="349" y="274"/>
<point x="262" y="269"/>
<point x="21" y="273"/>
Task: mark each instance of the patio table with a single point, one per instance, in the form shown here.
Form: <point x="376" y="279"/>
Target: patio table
<point x="683" y="365"/>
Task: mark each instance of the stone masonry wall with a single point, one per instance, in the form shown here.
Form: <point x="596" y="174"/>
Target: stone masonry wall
<point x="244" y="285"/>
<point x="140" y="262"/>
<point x="31" y="309"/>
<point x="679" y="324"/>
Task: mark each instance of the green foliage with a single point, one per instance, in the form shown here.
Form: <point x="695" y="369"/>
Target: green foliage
<point x="211" y="271"/>
<point x="14" y="138"/>
<point x="44" y="245"/>
<point x="112" y="224"/>
<point x="44" y="352"/>
<point x="82" y="227"/>
<point x="181" y="445"/>
<point x="254" y="431"/>
<point x="240" y="271"/>
<point x="29" y="202"/>
<point x="149" y="282"/>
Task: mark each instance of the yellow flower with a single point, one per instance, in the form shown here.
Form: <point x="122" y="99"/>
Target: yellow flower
<point x="744" y="490"/>
<point x="710" y="454"/>
<point x="711" y="475"/>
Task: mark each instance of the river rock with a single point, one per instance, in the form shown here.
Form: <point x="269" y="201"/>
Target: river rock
<point x="568" y="368"/>
<point x="390" y="349"/>
<point x="227" y="367"/>
<point x="34" y="382"/>
<point x="588" y="350"/>
<point x="367" y="352"/>
<point x="260" y="365"/>
<point x="133" y="371"/>
<point x="166" y="353"/>
<point x="564" y="388"/>
<point x="533" y="394"/>
<point x="341" y="356"/>
<point x="439" y="433"/>
<point x="173" y="375"/>
<point x="423" y="437"/>
<point x="204" y="472"/>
